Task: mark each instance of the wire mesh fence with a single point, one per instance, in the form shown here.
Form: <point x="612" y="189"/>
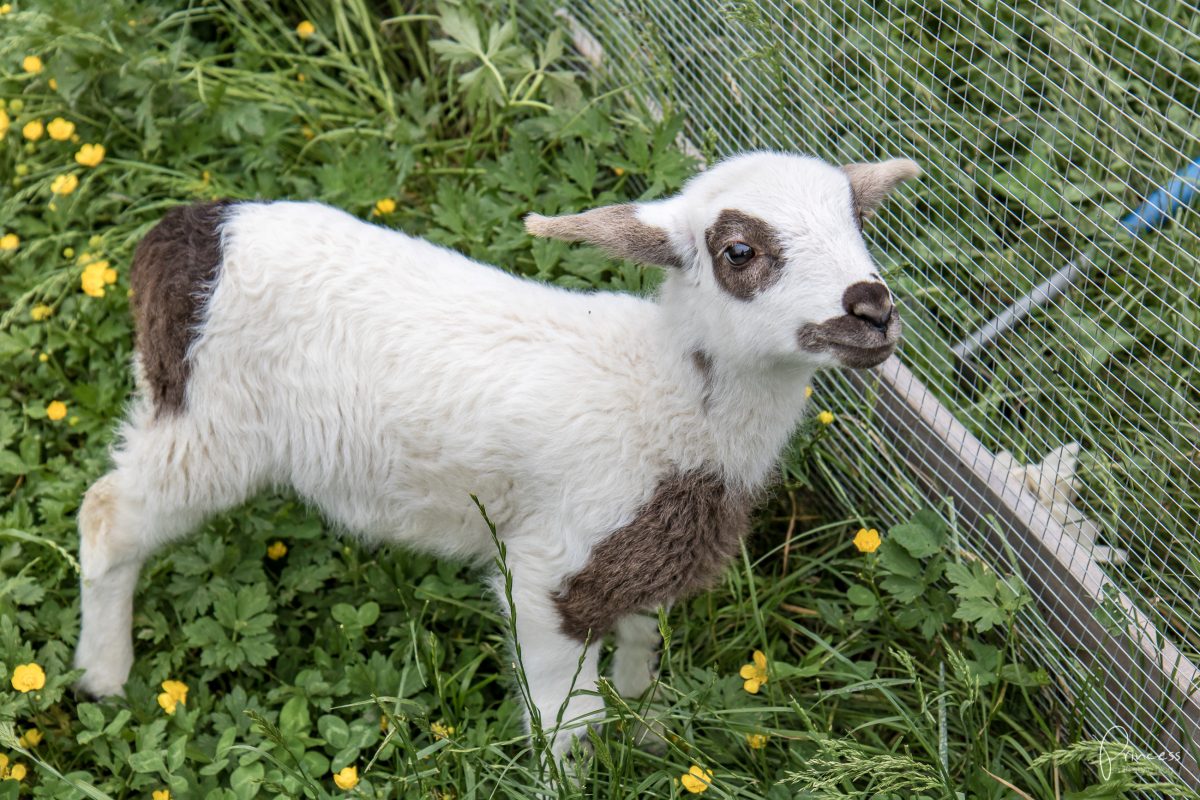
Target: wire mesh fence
<point x="1065" y="433"/>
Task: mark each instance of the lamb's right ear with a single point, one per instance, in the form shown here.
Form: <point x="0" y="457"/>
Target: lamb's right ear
<point x="615" y="229"/>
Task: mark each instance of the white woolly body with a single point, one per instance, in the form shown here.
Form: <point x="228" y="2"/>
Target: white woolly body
<point x="386" y="379"/>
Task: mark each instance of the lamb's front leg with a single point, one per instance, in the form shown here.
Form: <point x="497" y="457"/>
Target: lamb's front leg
<point x="635" y="662"/>
<point x="561" y="672"/>
<point x="635" y="667"/>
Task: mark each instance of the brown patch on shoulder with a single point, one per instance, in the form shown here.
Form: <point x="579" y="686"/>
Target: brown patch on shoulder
<point x="757" y="274"/>
<point x="174" y="270"/>
<point x="677" y="546"/>
<point x="614" y="229"/>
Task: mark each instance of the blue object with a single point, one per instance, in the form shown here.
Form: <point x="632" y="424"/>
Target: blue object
<point x="1152" y="213"/>
<point x="1165" y="201"/>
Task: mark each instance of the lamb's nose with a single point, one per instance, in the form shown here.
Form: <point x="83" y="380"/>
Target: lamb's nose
<point x="869" y="301"/>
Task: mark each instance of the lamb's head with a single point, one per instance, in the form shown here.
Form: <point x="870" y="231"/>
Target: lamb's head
<point x="765" y="256"/>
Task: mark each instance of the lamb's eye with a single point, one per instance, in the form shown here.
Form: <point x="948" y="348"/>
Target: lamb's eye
<point x="738" y="253"/>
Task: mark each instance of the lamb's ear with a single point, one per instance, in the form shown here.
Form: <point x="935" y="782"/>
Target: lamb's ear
<point x="870" y="184"/>
<point x="617" y="230"/>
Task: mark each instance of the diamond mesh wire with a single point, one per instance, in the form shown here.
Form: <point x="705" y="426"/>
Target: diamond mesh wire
<point x="1039" y="127"/>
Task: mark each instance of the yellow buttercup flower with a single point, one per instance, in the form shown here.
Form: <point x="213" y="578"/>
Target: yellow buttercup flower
<point x="808" y="392"/>
<point x="4" y="123"/>
<point x="17" y="772"/>
<point x="10" y="241"/>
<point x="347" y="778"/>
<point x="825" y="418"/>
<point x="60" y="129"/>
<point x="109" y="274"/>
<point x="30" y="677"/>
<point x="92" y="284"/>
<point x="65" y="184"/>
<point x="277" y="550"/>
<point x="755" y="674"/>
<point x="55" y="410"/>
<point x="30" y="738"/>
<point x="94" y="278"/>
<point x="697" y="779"/>
<point x="90" y="155"/>
<point x="757" y="741"/>
<point x="43" y="357"/>
<point x="173" y="694"/>
<point x="441" y="731"/>
<point x="385" y="206"/>
<point x="305" y="29"/>
<point x="33" y="130"/>
<point x="6" y="9"/>
<point x="32" y="65"/>
<point x="40" y="312"/>
<point x="53" y="85"/>
<point x="867" y="540"/>
<point x="161" y="794"/>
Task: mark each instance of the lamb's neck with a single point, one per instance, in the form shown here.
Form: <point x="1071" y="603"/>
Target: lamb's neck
<point x="749" y="414"/>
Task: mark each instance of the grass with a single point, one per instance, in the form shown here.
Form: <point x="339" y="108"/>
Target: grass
<point x="892" y="674"/>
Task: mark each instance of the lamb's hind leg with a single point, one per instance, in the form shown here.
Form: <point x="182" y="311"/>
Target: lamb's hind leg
<point x="163" y="487"/>
<point x="114" y="539"/>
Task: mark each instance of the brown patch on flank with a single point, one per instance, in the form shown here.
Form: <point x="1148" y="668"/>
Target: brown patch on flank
<point x="614" y="229"/>
<point x="757" y="274"/>
<point x="174" y="269"/>
<point x="702" y="361"/>
<point x="677" y="545"/>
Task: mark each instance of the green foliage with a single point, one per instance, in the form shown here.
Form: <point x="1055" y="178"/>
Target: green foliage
<point x="910" y="563"/>
<point x="1029" y="165"/>
<point x="334" y="656"/>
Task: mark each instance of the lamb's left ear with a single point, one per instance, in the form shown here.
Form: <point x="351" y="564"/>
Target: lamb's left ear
<point x="872" y="183"/>
<point x="615" y="229"/>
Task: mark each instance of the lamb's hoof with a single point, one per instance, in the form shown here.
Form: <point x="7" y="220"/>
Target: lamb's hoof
<point x="95" y="685"/>
<point x="575" y="746"/>
<point x="650" y="737"/>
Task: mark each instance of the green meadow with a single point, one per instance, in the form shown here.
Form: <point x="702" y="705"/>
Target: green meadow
<point x="276" y="660"/>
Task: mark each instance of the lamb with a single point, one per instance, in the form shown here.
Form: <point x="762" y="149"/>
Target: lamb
<point x="619" y="443"/>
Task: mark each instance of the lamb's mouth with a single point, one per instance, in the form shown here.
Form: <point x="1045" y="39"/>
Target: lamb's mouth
<point x="854" y="343"/>
<point x="857" y="357"/>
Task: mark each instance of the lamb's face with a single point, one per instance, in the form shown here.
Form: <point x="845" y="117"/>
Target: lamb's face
<point x="766" y="257"/>
<point x="780" y="267"/>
